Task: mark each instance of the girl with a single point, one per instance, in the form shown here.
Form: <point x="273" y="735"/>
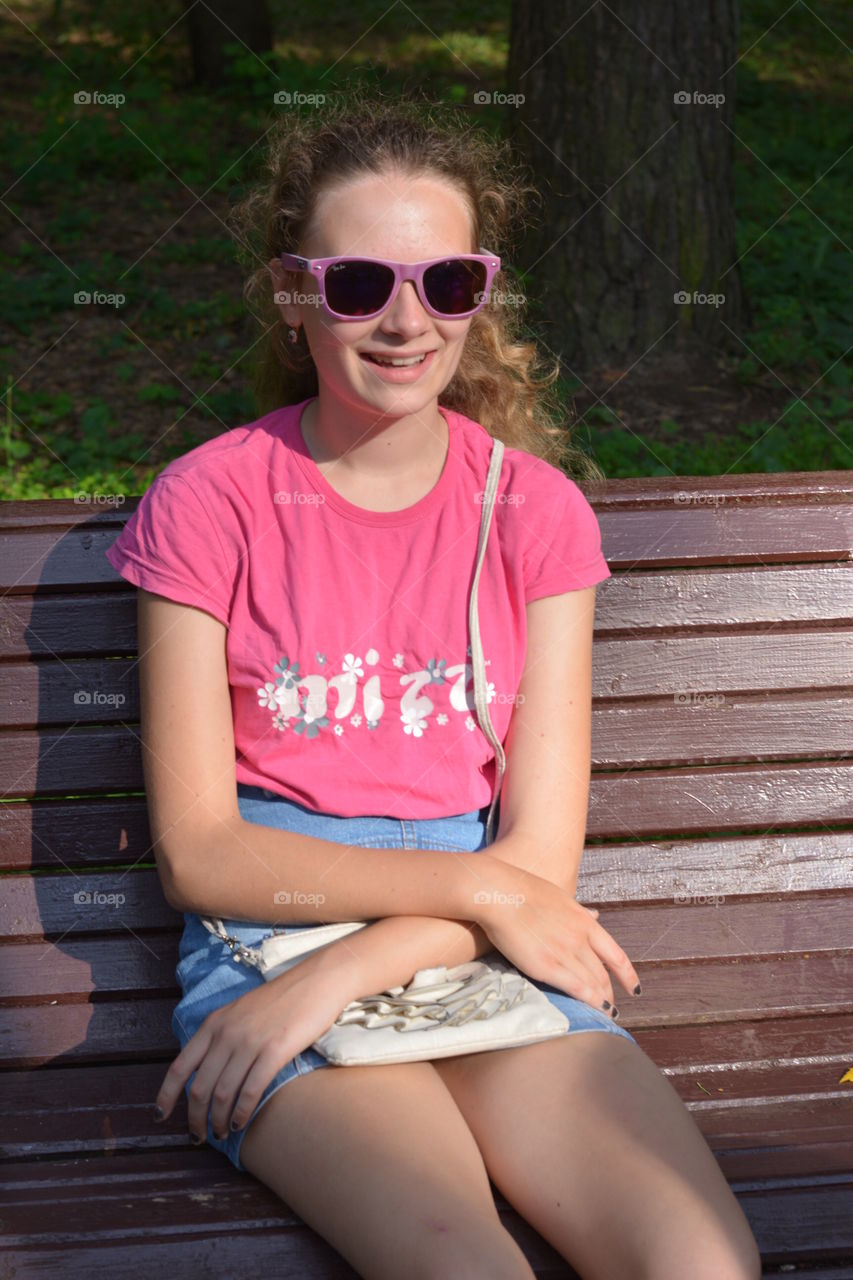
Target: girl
<point x="303" y="612"/>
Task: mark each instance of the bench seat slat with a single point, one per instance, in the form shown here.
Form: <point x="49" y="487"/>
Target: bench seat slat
<point x="197" y="1213"/>
<point x="706" y="1065"/>
<point x="718" y="992"/>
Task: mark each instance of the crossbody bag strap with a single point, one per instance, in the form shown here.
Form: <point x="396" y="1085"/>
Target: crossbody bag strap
<point x="481" y="701"/>
<point x="246" y="955"/>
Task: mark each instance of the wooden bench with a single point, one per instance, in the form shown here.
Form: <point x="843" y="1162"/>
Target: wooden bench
<point x="720" y="853"/>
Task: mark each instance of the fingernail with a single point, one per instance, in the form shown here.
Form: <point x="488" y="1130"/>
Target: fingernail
<point x="195" y="1139"/>
<point x="158" y="1114"/>
<point x="638" y="990"/>
<point x="605" y="1004"/>
<point x="236" y="1124"/>
<point x="615" y="1012"/>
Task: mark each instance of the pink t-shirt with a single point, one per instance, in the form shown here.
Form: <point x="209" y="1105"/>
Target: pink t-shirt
<point x="348" y="656"/>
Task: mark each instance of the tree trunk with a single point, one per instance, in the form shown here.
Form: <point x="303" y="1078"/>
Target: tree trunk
<point x="215" y="23"/>
<point x="633" y="154"/>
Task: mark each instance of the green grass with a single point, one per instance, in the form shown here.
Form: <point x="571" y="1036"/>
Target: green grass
<point x="104" y="397"/>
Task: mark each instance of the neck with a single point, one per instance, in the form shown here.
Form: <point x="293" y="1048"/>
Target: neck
<point x="371" y="445"/>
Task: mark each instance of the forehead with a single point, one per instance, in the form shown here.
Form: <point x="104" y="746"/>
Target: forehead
<point x="391" y="215"/>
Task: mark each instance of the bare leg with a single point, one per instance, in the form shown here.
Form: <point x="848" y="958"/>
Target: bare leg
<point x="589" y="1141"/>
<point x="379" y="1162"/>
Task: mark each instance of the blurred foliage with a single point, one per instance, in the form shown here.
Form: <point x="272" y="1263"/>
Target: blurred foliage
<point x="129" y="200"/>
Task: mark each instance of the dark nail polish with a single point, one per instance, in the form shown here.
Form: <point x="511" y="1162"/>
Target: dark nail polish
<point x="236" y="1124"/>
<point x="196" y="1140"/>
<point x="158" y="1114"/>
<point x="614" y="1012"/>
<point x="605" y="1004"/>
<point x="638" y="990"/>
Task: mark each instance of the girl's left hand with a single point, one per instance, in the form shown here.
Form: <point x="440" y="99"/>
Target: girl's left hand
<point x="245" y="1042"/>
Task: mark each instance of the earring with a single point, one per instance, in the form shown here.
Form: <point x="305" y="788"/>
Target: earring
<point x="292" y="335"/>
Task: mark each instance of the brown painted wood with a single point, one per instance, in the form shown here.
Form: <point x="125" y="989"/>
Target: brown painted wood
<point x="84" y="1111"/>
<point x="94" y="916"/>
<point x="191" y="1200"/>
<point x="743" y="727"/>
<point x="660" y="805"/>
<point x="68" y="624"/>
<point x="692" y="521"/>
<point x="745" y="487"/>
<point x="716" y="992"/>
<point x="719" y="851"/>
<point x="63" y="626"/>
<point x="93" y="690"/>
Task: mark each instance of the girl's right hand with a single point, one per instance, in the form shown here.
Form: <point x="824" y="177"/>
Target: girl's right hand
<point x="546" y="933"/>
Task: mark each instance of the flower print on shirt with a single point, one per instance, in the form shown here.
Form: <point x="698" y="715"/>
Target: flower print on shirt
<point x="301" y="702"/>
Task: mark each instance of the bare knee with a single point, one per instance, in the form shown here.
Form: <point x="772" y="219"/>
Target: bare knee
<point x="476" y="1251"/>
<point x="732" y="1258"/>
<point x="380" y="1162"/>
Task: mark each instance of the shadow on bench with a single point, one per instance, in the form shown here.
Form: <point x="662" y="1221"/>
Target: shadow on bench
<point x="719" y="852"/>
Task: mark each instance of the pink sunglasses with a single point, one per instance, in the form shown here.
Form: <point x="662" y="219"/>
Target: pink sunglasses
<point x="361" y="288"/>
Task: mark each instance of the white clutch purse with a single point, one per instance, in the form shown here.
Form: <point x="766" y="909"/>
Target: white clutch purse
<point x="443" y="1011"/>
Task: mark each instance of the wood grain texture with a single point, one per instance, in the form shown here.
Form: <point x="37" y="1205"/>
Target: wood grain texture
<point x="719" y="852"/>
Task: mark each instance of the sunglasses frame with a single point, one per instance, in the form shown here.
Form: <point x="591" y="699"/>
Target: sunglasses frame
<point x="413" y="271"/>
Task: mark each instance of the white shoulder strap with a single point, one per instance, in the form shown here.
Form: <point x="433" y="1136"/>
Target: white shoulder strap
<point x="480" y="699"/>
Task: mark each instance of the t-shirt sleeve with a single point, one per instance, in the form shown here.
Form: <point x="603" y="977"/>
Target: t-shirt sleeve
<point x="563" y="548"/>
<point x="171" y="546"/>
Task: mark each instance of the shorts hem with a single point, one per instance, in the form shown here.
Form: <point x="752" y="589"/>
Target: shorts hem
<point x="233" y="1144"/>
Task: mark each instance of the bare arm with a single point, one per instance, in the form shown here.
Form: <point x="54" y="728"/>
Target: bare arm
<point x="211" y="860"/>
<point x="544" y="796"/>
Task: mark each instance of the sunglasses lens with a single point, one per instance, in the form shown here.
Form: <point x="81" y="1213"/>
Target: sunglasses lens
<point x="358" y="288"/>
<point x="452" y="287"/>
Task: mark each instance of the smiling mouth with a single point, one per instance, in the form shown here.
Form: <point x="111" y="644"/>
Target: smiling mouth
<point x="395" y="362"/>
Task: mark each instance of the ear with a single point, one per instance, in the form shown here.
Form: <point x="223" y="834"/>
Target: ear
<point x="283" y="280"/>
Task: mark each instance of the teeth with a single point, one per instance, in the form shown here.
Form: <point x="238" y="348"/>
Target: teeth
<point x="399" y="364"/>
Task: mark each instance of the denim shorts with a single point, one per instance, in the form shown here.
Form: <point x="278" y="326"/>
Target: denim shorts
<point x="209" y="977"/>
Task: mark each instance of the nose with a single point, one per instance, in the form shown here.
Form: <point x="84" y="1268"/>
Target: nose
<point x="406" y="313"/>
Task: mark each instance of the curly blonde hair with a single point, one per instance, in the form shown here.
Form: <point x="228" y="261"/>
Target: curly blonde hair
<point x="501" y="380"/>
